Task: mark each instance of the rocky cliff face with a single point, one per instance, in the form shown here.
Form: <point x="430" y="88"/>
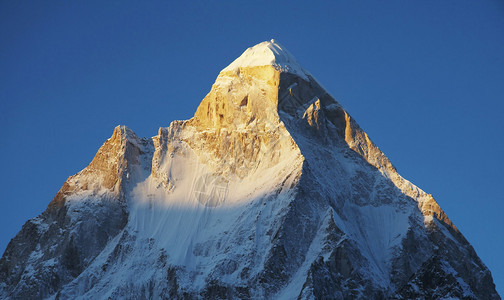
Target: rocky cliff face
<point x="270" y="191"/>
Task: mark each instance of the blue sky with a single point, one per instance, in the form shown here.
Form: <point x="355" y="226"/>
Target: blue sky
<point x="425" y="79"/>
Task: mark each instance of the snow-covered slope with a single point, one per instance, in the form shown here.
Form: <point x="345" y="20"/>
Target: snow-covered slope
<point x="270" y="191"/>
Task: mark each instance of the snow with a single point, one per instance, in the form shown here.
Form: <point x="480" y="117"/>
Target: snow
<point x="193" y="234"/>
<point x="181" y="222"/>
<point x="465" y="287"/>
<point x="377" y="227"/>
<point x="268" y="53"/>
<point x="292" y="290"/>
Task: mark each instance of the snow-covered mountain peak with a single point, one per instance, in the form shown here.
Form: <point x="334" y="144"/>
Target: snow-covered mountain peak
<point x="268" y="53"/>
<point x="271" y="191"/>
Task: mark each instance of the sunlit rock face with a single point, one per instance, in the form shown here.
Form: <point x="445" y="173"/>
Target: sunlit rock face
<point x="271" y="190"/>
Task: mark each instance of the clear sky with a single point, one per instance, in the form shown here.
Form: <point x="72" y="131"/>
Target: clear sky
<point x="425" y="79"/>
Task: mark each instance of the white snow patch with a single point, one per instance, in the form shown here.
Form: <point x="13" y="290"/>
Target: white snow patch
<point x="269" y="53"/>
<point x="465" y="287"/>
<point x="293" y="289"/>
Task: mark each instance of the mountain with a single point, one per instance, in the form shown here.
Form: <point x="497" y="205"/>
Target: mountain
<point x="271" y="190"/>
